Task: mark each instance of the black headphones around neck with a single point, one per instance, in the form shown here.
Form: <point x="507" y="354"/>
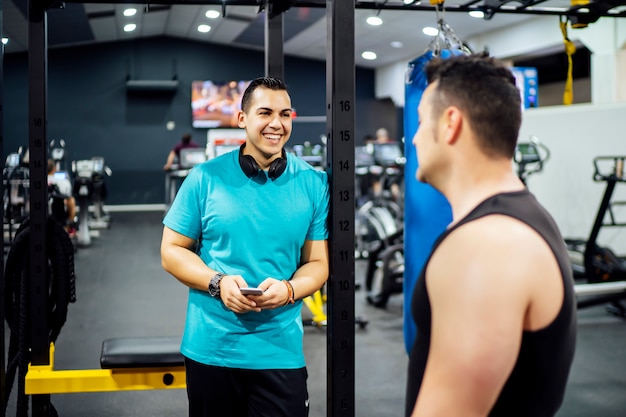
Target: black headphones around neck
<point x="251" y="168"/>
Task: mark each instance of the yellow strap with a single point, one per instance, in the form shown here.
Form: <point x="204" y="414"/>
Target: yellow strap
<point x="570" y="49"/>
<point x="575" y="3"/>
<point x="436" y="2"/>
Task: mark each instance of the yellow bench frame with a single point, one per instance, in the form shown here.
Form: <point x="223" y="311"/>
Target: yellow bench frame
<point x="44" y="379"/>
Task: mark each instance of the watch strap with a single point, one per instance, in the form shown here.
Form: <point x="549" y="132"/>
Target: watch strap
<point x="214" y="284"/>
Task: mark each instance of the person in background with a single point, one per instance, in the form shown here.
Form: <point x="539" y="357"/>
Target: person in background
<point x="382" y="136"/>
<point x="391" y="184"/>
<point x="253" y="217"/>
<point x="62" y="189"/>
<point x="174" y="155"/>
<point x="494" y="304"/>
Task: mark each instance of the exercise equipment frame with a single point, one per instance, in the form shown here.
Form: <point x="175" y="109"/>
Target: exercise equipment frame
<point x="44" y="379"/>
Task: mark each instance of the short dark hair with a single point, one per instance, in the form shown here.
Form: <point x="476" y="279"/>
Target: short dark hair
<point x="186" y="138"/>
<point x="484" y="89"/>
<point x="266" y="82"/>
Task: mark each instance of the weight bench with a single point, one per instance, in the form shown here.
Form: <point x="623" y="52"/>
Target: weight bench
<point x="127" y="364"/>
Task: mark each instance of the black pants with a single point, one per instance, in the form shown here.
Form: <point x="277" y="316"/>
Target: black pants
<point x="215" y="391"/>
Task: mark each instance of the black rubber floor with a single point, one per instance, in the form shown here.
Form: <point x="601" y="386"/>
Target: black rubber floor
<point x="123" y="291"/>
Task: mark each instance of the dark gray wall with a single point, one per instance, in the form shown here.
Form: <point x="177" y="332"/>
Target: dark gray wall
<point x="90" y="108"/>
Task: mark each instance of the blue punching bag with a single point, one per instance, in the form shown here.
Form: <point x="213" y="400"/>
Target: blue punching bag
<point x="427" y="213"/>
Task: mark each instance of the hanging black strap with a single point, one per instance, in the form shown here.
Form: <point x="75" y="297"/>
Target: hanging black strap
<point x="62" y="287"/>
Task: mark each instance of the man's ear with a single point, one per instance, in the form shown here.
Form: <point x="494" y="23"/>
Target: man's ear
<point x="453" y="123"/>
<point x="241" y="122"/>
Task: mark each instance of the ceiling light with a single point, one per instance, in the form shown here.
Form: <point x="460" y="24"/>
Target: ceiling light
<point x="213" y="14"/>
<point x="396" y="44"/>
<point x="409" y="2"/>
<point x="130" y="27"/>
<point x="204" y="28"/>
<point x="374" y="21"/>
<point x="478" y="14"/>
<point x="430" y="31"/>
<point x="130" y="12"/>
<point x="5" y="41"/>
<point x="369" y="55"/>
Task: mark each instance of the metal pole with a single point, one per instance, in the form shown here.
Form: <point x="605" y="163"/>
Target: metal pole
<point x="3" y="388"/>
<point x="274" y="57"/>
<point x="590" y="249"/>
<point x="37" y="92"/>
<point x="340" y="97"/>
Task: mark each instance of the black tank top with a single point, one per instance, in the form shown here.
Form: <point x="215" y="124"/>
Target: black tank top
<point x="537" y="383"/>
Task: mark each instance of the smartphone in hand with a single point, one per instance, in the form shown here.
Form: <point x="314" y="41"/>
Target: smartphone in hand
<point x="251" y="291"/>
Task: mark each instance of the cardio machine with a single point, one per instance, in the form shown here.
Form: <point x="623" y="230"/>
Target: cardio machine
<point x="90" y="189"/>
<point x="603" y="275"/>
<point x="530" y="158"/>
<point x="599" y="274"/>
<point x="379" y="220"/>
<point x="16" y="198"/>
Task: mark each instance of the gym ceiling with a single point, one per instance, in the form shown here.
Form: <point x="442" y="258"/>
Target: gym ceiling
<point x="241" y="23"/>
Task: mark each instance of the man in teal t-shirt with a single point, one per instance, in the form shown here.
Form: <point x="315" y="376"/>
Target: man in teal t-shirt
<point x="254" y="217"/>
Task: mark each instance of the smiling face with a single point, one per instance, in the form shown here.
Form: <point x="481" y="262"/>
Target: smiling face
<point x="267" y="121"/>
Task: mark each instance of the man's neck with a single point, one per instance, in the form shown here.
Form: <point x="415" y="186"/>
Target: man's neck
<point x="468" y="188"/>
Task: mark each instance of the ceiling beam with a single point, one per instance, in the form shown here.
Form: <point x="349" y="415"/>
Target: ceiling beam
<point x="529" y="7"/>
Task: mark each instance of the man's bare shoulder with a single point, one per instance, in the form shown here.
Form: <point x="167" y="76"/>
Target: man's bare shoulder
<point x="496" y="234"/>
<point x="493" y="250"/>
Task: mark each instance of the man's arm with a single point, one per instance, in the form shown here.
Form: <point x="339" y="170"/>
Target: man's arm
<point x="170" y="160"/>
<point x="70" y="204"/>
<point x="179" y="259"/>
<point x="479" y="295"/>
<point x="314" y="270"/>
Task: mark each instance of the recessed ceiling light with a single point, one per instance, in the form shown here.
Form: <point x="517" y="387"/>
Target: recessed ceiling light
<point x="478" y="14"/>
<point x="130" y="27"/>
<point x="374" y="21"/>
<point x="430" y="31"/>
<point x="5" y="40"/>
<point x="130" y="12"/>
<point x="618" y="9"/>
<point x="204" y="28"/>
<point x="396" y="44"/>
<point x="369" y="55"/>
<point x="213" y="14"/>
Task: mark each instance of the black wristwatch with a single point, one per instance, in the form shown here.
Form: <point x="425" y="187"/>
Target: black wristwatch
<point x="214" y="285"/>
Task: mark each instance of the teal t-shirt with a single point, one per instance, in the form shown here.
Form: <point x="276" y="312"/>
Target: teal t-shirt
<point x="253" y="227"/>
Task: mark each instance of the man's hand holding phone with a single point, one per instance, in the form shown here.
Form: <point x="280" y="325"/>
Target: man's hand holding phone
<point x="251" y="291"/>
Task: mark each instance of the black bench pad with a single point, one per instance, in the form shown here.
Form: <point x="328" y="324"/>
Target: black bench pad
<point x="141" y="352"/>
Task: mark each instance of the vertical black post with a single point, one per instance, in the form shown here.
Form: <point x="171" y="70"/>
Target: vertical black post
<point x="340" y="145"/>
<point x="274" y="59"/>
<point x="37" y="119"/>
<point x="3" y="388"/>
<point x="590" y="248"/>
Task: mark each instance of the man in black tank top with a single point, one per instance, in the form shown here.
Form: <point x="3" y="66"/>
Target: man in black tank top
<point x="494" y="305"/>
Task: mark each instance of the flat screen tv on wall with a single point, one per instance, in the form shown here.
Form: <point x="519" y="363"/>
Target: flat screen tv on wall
<point x="215" y="103"/>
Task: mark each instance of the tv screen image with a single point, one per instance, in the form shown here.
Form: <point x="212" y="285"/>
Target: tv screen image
<point x="216" y="103"/>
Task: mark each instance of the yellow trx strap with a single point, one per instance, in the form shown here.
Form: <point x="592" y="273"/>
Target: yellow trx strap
<point x="575" y="3"/>
<point x="570" y="49"/>
<point x="436" y="2"/>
